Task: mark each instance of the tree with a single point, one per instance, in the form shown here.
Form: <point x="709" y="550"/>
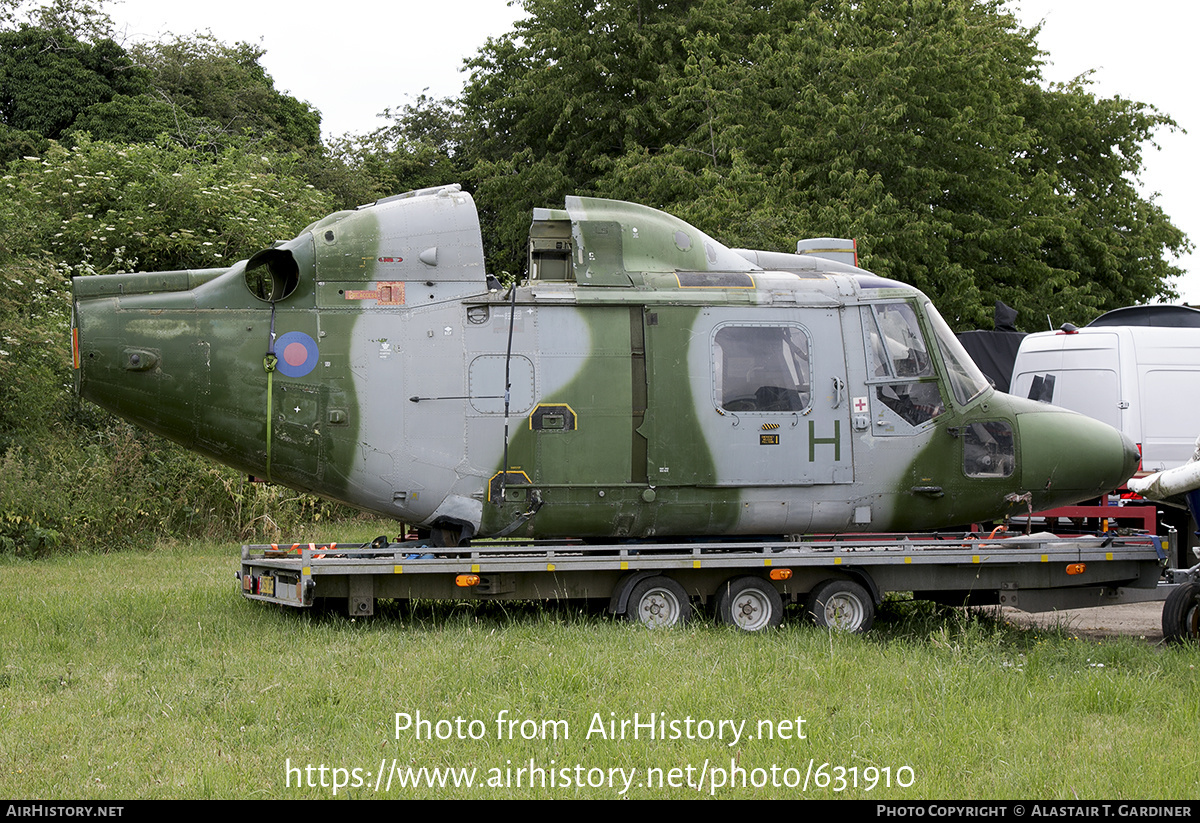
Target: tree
<point x="84" y="20"/>
<point x="225" y="91"/>
<point x="70" y="474"/>
<point x="48" y="78"/>
<point x="552" y="104"/>
<point x="192" y="160"/>
<point x="920" y="127"/>
<point x="421" y="147"/>
<point x="61" y="74"/>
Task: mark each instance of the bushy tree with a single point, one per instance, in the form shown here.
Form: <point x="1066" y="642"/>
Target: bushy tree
<point x="105" y="207"/>
<point x="222" y="92"/>
<point x="49" y="79"/>
<point x="62" y="74"/>
<point x="921" y="127"/>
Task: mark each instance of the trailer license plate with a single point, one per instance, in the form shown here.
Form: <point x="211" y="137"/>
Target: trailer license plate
<point x="266" y="586"/>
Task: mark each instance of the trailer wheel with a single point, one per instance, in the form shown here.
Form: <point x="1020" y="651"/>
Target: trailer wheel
<point x="749" y="603"/>
<point x="658" y="603"/>
<point x="1181" y="614"/>
<point x="842" y="605"/>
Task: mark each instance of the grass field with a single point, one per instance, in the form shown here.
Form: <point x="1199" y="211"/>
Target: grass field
<point x="144" y="674"/>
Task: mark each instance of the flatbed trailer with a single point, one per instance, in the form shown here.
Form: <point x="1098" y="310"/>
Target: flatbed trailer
<point x="837" y="581"/>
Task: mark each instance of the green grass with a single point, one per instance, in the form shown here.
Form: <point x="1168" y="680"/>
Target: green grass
<point x="145" y="674"/>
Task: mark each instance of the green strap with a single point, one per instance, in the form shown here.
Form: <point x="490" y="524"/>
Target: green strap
<point x="269" y="365"/>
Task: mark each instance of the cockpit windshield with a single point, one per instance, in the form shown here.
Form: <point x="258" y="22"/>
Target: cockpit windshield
<point x="966" y="380"/>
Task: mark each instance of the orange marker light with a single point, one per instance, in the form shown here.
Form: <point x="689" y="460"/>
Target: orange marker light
<point x="1076" y="568"/>
<point x="781" y="574"/>
<point x="466" y="580"/>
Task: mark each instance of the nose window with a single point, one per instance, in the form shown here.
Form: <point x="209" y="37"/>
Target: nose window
<point x="988" y="449"/>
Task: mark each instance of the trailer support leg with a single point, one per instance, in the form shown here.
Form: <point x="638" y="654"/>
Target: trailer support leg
<point x="362" y="595"/>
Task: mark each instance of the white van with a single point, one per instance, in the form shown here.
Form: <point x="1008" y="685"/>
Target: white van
<point x="1141" y="379"/>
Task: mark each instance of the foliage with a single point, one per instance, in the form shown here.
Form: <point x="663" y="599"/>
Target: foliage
<point x="103" y="207"/>
<point x="221" y="91"/>
<point x="84" y="19"/>
<point x="62" y="74"/>
<point x="49" y="78"/>
<point x="111" y="486"/>
<point x="551" y="104"/>
<point x="180" y="156"/>
<point x="921" y="127"/>
<point x="71" y="475"/>
<point x="417" y="150"/>
<point x="34" y="356"/>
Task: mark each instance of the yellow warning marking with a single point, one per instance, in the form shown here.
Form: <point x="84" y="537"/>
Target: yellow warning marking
<point x="767" y="561"/>
<point x="695" y="564"/>
<point x="306" y="570"/>
<point x="397" y="570"/>
<point x="624" y="565"/>
<point x="837" y="561"/>
<point x="1108" y="555"/>
<point x="475" y="569"/>
<point x="1045" y="558"/>
<point x="549" y="567"/>
<point x="908" y="560"/>
<point x="974" y="558"/>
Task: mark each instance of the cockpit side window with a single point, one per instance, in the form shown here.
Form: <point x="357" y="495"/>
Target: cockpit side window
<point x="761" y="368"/>
<point x="900" y="366"/>
<point x="966" y="380"/>
<point x="901" y="343"/>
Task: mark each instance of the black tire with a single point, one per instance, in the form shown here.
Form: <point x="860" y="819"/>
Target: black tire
<point x="658" y="603"/>
<point x="842" y="605"/>
<point x="750" y="604"/>
<point x="1181" y="614"/>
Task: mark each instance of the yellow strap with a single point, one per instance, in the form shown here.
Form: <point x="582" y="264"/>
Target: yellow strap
<point x="269" y="364"/>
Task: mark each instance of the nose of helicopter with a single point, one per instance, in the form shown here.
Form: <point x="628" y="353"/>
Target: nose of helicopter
<point x="1068" y="457"/>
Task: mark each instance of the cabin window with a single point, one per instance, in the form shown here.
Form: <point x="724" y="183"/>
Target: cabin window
<point x="761" y="368"/>
<point x="988" y="449"/>
<point x="900" y="364"/>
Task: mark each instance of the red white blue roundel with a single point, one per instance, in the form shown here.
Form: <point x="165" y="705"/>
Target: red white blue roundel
<point x="297" y="354"/>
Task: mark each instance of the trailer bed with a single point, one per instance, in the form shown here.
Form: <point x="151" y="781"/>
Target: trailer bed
<point x="1033" y="573"/>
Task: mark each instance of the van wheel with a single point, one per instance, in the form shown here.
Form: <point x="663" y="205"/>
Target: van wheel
<point x="658" y="603"/>
<point x="842" y="605"/>
<point x="1181" y="614"/>
<point x="749" y="603"/>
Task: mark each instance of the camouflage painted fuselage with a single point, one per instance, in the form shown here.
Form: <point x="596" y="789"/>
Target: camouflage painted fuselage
<point x="660" y="384"/>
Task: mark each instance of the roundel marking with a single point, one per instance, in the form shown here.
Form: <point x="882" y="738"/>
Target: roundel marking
<point x="298" y="354"/>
